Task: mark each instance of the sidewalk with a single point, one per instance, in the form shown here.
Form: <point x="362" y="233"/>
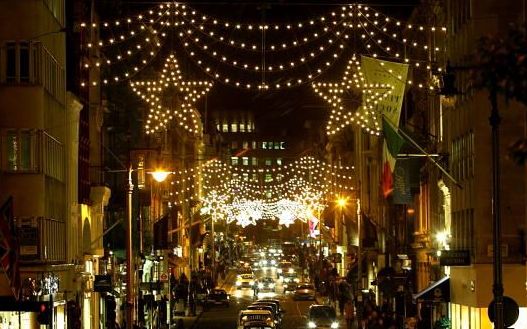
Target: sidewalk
<point x="189" y="321"/>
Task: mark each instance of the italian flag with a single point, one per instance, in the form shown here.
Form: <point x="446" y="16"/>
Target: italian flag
<point x="392" y="144"/>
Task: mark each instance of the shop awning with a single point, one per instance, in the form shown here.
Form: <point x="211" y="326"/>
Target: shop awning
<point x="437" y="292"/>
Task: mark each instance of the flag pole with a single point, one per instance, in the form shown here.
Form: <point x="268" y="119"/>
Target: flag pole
<point x="428" y="155"/>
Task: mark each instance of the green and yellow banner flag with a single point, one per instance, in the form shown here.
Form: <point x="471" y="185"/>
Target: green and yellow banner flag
<point x="389" y="109"/>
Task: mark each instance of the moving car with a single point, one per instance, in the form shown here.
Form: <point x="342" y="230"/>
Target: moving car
<point x="244" y="281"/>
<point x="218" y="297"/>
<point x="257" y="325"/>
<point x="266" y="284"/>
<point x="246" y="316"/>
<point x="322" y="317"/>
<point x="304" y="291"/>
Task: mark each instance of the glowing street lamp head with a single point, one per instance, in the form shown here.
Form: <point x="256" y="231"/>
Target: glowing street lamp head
<point x="160" y="175"/>
<point x="341" y="202"/>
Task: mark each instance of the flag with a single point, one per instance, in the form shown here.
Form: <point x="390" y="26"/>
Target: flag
<point x="392" y="144"/>
<point x="9" y="247"/>
<point x="389" y="108"/>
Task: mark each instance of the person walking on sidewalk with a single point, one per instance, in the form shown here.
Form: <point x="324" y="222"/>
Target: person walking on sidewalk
<point x="349" y="313"/>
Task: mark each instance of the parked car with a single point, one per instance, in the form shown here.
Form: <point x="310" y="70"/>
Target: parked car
<point x="304" y="291"/>
<point x="322" y="317"/>
<point x="218" y="297"/>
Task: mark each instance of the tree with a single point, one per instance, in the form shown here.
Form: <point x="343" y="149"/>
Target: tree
<point x="503" y="68"/>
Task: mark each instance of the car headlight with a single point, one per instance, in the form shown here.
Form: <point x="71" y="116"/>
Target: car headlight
<point x="334" y="325"/>
<point x="251" y="283"/>
<point x="291" y="270"/>
<point x="238" y="283"/>
<point x="311" y="324"/>
<point x="260" y="285"/>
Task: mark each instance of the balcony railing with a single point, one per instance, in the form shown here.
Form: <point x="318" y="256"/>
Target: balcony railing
<point x="42" y="240"/>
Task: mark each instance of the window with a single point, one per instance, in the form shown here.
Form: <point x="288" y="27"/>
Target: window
<point x="245" y="161"/>
<point x="234" y="161"/>
<point x="245" y="176"/>
<point x="268" y="178"/>
<point x="269" y="145"/>
<point x="242" y="127"/>
<point x="254" y="145"/>
<point x="19" y="150"/>
<point x="282" y="145"/>
<point x="11" y="62"/>
<point x="255" y="161"/>
<point x="250" y="127"/>
<point x="276" y="146"/>
<point x="234" y="145"/>
<point x="234" y="127"/>
<point x="245" y="145"/>
<point x="264" y="145"/>
<point x="279" y="161"/>
<point x="218" y="127"/>
<point x="24" y="62"/>
<point x="255" y="177"/>
<point x="225" y="127"/>
<point x="268" y="162"/>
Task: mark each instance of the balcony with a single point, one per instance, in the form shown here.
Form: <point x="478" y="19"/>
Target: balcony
<point x="42" y="240"/>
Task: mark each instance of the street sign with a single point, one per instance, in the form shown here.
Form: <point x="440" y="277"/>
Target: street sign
<point x="163" y="277"/>
<point x="511" y="311"/>
<point x="454" y="258"/>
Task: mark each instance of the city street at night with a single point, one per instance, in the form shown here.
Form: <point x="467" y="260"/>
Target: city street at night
<point x="278" y="164"/>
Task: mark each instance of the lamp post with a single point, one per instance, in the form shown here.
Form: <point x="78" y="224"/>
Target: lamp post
<point x="129" y="254"/>
<point x="159" y="176"/>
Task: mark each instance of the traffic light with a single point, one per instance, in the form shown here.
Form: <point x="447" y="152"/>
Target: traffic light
<point x="44" y="313"/>
<point x="74" y="315"/>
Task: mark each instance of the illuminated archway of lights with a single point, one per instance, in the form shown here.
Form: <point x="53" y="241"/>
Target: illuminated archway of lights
<point x="303" y="190"/>
<point x="260" y="56"/>
<point x="161" y="113"/>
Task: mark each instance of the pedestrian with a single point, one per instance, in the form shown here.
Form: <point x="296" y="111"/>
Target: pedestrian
<point x="180" y="324"/>
<point x="349" y="313"/>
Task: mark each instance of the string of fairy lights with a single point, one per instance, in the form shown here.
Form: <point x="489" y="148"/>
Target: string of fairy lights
<point x="210" y="43"/>
<point x="299" y="190"/>
<point x="262" y="56"/>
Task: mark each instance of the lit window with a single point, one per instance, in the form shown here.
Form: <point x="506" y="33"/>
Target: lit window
<point x="218" y="127"/>
<point x="264" y="145"/>
<point x="269" y="145"/>
<point x="254" y="145"/>
<point x="242" y="127"/>
<point x="255" y="161"/>
<point x="234" y="127"/>
<point x="19" y="155"/>
<point x="245" y="176"/>
<point x="245" y="161"/>
<point x="249" y="127"/>
<point x="245" y="145"/>
<point x="225" y="127"/>
<point x="277" y="146"/>
<point x="268" y="178"/>
<point x="282" y="145"/>
<point x="255" y="177"/>
<point x="279" y="161"/>
<point x="268" y="162"/>
<point x="234" y="161"/>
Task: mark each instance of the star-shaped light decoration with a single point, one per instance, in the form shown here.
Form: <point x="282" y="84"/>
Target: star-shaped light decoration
<point x="164" y="108"/>
<point x="360" y="95"/>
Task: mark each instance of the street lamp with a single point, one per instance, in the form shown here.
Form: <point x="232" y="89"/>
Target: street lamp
<point x="130" y="293"/>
